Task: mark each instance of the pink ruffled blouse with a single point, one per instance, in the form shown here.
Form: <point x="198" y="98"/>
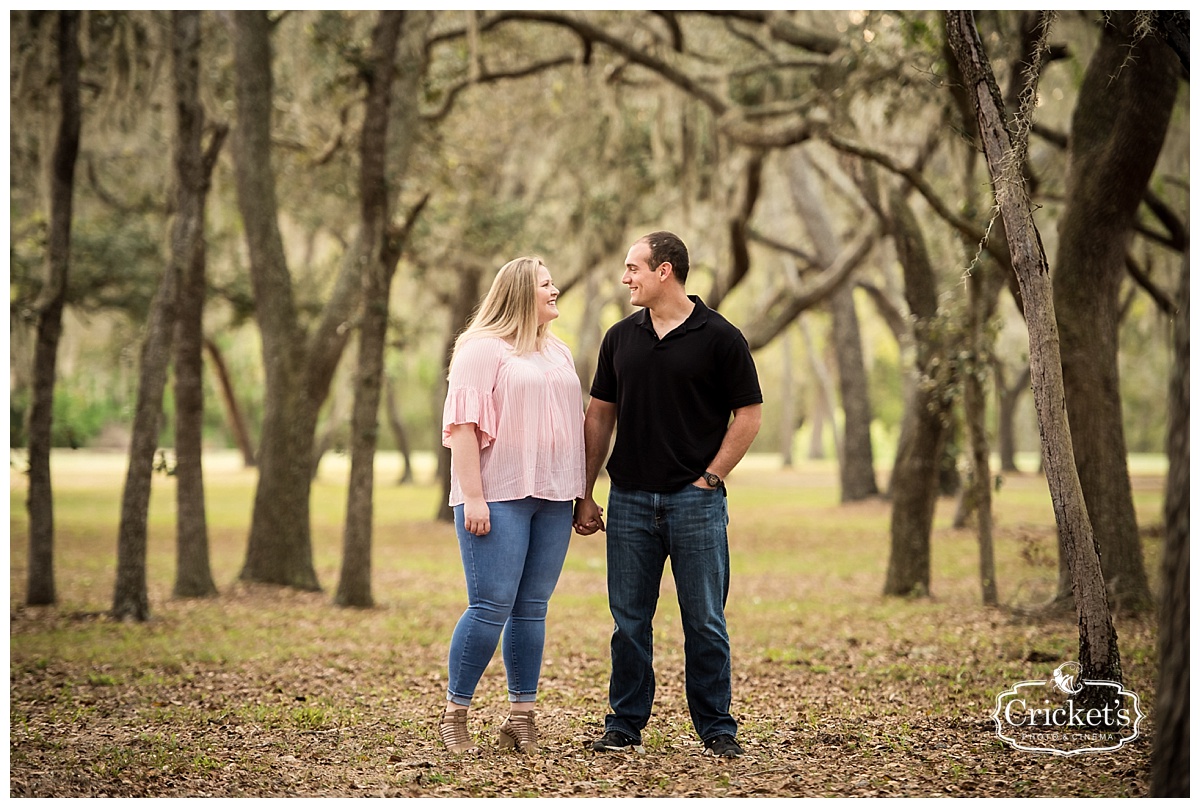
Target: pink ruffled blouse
<point x="528" y="412"/>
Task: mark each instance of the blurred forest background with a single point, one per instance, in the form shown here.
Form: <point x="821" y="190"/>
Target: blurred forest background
<point x="821" y="165"/>
<point x="261" y="231"/>
<point x="535" y="139"/>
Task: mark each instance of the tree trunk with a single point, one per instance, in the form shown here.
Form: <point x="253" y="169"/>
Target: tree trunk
<point x="49" y="308"/>
<point x="298" y="366"/>
<point x="462" y="304"/>
<point x="824" y="402"/>
<point x="280" y="545"/>
<point x="1099" y="656"/>
<point x="1006" y="415"/>
<point x="130" y="600"/>
<point x="737" y="225"/>
<point x="857" y="463"/>
<point x="787" y="402"/>
<point x="1171" y="772"/>
<point x="233" y="411"/>
<point x="1120" y="121"/>
<point x="341" y="405"/>
<point x="193" y="574"/>
<point x="354" y="585"/>
<point x="974" y="413"/>
<point x="589" y="330"/>
<point x="914" y="484"/>
<point x="399" y="433"/>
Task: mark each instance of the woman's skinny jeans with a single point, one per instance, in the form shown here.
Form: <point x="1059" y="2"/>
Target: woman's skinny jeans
<point x="511" y="572"/>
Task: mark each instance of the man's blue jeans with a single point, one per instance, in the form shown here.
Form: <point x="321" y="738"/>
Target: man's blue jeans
<point x="511" y="572"/>
<point x="644" y="529"/>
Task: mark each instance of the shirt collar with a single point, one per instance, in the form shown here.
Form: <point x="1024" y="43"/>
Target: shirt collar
<point x="696" y="319"/>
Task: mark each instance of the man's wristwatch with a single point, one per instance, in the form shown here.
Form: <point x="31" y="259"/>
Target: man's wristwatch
<point x="713" y="480"/>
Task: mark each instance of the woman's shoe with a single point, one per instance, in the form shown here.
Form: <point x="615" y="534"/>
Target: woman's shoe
<point x="519" y="733"/>
<point x="454" y="732"/>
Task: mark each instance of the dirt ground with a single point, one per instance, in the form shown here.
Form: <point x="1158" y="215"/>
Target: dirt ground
<point x="868" y="718"/>
<point x="269" y="692"/>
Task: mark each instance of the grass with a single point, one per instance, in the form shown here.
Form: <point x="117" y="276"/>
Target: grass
<point x="839" y="690"/>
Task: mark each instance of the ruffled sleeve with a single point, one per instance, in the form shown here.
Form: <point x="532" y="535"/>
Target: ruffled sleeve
<point x="470" y="395"/>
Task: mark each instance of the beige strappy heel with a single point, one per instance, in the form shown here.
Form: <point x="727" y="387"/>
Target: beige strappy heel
<point x="454" y="732"/>
<point x="520" y="733"/>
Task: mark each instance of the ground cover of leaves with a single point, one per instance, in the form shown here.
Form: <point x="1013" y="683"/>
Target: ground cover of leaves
<point x="839" y="692"/>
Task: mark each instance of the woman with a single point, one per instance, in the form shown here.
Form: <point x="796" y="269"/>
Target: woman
<point x="514" y="423"/>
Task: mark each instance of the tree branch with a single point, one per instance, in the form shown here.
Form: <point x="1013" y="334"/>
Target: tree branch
<point x="896" y="320"/>
<point x="783" y="29"/>
<point x="967" y="228"/>
<point x="587" y="31"/>
<point x="485" y="77"/>
<point x="767" y="325"/>
<point x="1166" y="304"/>
<point x="770" y="241"/>
<point x="1177" y="238"/>
<point x="397" y="234"/>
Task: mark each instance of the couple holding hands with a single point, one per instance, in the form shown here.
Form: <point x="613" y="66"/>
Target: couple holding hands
<point x="677" y="383"/>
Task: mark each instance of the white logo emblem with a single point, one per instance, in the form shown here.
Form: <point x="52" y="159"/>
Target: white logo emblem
<point x="1044" y="716"/>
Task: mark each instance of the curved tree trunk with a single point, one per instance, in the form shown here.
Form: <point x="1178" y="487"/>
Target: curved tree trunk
<point x="49" y="307"/>
<point x="857" y="462"/>
<point x="381" y="244"/>
<point x="914" y="484"/>
<point x="193" y="573"/>
<point x="280" y="546"/>
<point x="1171" y="772"/>
<point x="738" y="226"/>
<point x="298" y="366"/>
<point x="1120" y="122"/>
<point x="1099" y="656"/>
<point x="233" y="410"/>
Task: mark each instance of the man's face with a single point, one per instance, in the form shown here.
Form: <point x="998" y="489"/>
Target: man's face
<point x="643" y="281"/>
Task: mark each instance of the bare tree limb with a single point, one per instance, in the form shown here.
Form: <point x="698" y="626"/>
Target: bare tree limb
<point x="783" y="29"/>
<point x="485" y="77"/>
<point x="897" y="321"/>
<point x="1166" y="304"/>
<point x="1177" y="238"/>
<point x="587" y="31"/>
<point x="769" y="325"/>
<point x="965" y="227"/>
<point x="808" y="259"/>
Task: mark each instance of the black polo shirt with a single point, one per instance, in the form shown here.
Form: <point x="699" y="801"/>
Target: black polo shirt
<point x="674" y="396"/>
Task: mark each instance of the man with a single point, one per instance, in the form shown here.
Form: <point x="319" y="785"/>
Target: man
<point x="668" y="378"/>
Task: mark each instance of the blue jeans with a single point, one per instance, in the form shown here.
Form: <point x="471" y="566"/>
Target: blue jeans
<point x="511" y="572"/>
<point x="644" y="529"/>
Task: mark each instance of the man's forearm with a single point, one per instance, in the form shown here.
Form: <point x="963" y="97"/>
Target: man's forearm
<point x="741" y="433"/>
<point x="598" y="426"/>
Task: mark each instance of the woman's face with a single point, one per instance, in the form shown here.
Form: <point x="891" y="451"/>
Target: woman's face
<point x="547" y="296"/>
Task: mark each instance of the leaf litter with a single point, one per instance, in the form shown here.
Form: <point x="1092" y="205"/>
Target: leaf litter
<point x="838" y="691"/>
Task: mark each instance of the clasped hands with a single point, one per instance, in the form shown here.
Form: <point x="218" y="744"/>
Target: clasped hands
<point x="589" y="517"/>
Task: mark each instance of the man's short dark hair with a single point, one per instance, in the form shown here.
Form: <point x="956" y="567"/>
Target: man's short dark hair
<point x="668" y="247"/>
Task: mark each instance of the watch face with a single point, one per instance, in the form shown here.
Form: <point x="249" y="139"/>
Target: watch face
<point x="712" y="479"/>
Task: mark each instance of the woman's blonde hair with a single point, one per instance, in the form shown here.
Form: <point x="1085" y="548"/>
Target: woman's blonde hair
<point x="509" y="310"/>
